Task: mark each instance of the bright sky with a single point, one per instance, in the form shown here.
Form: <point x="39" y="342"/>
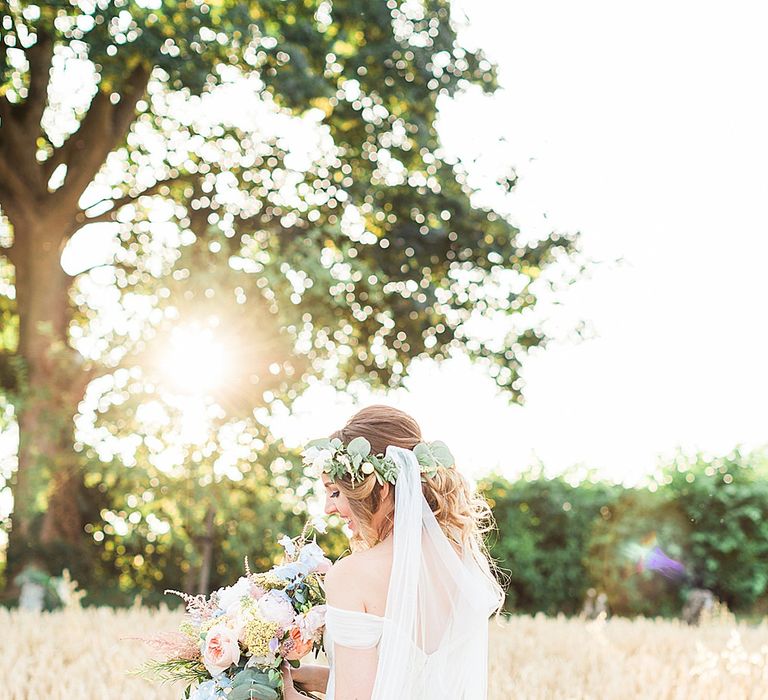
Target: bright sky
<point x="643" y="127"/>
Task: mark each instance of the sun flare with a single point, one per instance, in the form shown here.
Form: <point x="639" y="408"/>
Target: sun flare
<point x="194" y="361"/>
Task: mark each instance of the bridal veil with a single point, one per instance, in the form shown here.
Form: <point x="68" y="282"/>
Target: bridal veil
<point x="433" y="638"/>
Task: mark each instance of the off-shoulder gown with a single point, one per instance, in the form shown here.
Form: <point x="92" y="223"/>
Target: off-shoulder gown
<point x="432" y="643"/>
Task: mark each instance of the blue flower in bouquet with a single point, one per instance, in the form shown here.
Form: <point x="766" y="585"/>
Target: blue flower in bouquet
<point x="207" y="691"/>
<point x="292" y="570"/>
<point x="313" y="556"/>
<point x="212" y="689"/>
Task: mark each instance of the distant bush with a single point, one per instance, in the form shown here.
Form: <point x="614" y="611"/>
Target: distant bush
<point x="725" y="501"/>
<point x="544" y="526"/>
<point x="557" y="540"/>
<point x="622" y="537"/>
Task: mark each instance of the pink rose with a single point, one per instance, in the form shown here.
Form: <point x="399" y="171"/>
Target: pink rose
<point x="257" y="591"/>
<point x="221" y="649"/>
<point x="310" y="622"/>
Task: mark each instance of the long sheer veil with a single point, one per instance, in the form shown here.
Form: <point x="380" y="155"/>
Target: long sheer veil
<point x="438" y="604"/>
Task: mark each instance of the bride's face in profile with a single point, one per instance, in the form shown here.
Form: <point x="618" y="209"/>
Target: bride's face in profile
<point x="336" y="502"/>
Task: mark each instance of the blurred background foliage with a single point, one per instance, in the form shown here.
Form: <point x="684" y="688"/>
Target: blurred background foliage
<point x="557" y="539"/>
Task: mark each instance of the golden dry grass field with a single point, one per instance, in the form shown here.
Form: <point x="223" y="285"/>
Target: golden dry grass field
<point x="84" y="655"/>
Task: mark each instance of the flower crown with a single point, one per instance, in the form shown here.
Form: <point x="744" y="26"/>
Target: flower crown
<point x="356" y="460"/>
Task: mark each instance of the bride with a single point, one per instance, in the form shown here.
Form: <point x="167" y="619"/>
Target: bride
<point x="407" y="611"/>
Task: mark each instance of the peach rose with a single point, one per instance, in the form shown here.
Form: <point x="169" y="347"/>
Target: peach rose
<point x="221" y="649"/>
<point x="295" y="647"/>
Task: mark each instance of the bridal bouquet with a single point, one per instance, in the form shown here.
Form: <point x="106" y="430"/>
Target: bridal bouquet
<point x="232" y="643"/>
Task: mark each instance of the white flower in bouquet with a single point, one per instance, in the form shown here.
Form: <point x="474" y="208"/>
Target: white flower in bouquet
<point x="288" y="545"/>
<point x="221" y="649"/>
<point x="206" y="691"/>
<point x="320" y="525"/>
<point x="275" y="606"/>
<point x="313" y="556"/>
<point x="310" y="622"/>
<point x="232" y="594"/>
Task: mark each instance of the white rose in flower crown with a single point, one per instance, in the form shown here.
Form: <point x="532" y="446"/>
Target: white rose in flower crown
<point x="308" y="455"/>
<point x="317" y="459"/>
<point x="221" y="649"/>
<point x="232" y="594"/>
<point x="367" y="468"/>
<point x="275" y="606"/>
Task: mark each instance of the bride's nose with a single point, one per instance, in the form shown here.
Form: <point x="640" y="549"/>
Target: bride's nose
<point x="330" y="506"/>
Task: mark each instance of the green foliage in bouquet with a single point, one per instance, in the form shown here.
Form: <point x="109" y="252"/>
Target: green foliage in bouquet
<point x="233" y="643"/>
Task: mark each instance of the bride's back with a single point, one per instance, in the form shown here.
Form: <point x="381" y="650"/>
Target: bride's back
<point x="407" y="617"/>
<point x="371" y="573"/>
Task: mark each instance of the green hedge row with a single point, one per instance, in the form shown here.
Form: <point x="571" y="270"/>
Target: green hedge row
<point x="556" y="540"/>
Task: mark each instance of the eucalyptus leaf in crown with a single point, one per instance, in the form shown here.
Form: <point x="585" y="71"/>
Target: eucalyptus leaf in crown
<point x="330" y="456"/>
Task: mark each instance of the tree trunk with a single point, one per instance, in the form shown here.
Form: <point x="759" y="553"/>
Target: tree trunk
<point x="51" y="390"/>
<point x="48" y="480"/>
<point x="204" y="582"/>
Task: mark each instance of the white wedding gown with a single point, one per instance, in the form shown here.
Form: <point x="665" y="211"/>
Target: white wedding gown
<point x="433" y="639"/>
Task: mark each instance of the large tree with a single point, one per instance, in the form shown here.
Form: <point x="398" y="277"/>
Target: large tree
<point x="368" y="254"/>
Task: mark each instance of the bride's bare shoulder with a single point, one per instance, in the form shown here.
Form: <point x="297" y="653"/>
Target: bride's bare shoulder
<point x="344" y="585"/>
<point x="354" y="582"/>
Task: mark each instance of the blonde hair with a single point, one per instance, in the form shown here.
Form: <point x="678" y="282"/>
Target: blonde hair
<point x="464" y="516"/>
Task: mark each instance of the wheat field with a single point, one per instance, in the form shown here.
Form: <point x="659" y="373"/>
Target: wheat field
<point x="87" y="655"/>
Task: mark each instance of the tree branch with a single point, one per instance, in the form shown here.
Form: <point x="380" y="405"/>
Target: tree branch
<point x="125" y="110"/>
<point x="40" y="57"/>
<point x="21" y="122"/>
<point x="8" y="377"/>
<point x="14" y="188"/>
<point x="101" y="130"/>
<point x="82" y="217"/>
<point x="12" y="148"/>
